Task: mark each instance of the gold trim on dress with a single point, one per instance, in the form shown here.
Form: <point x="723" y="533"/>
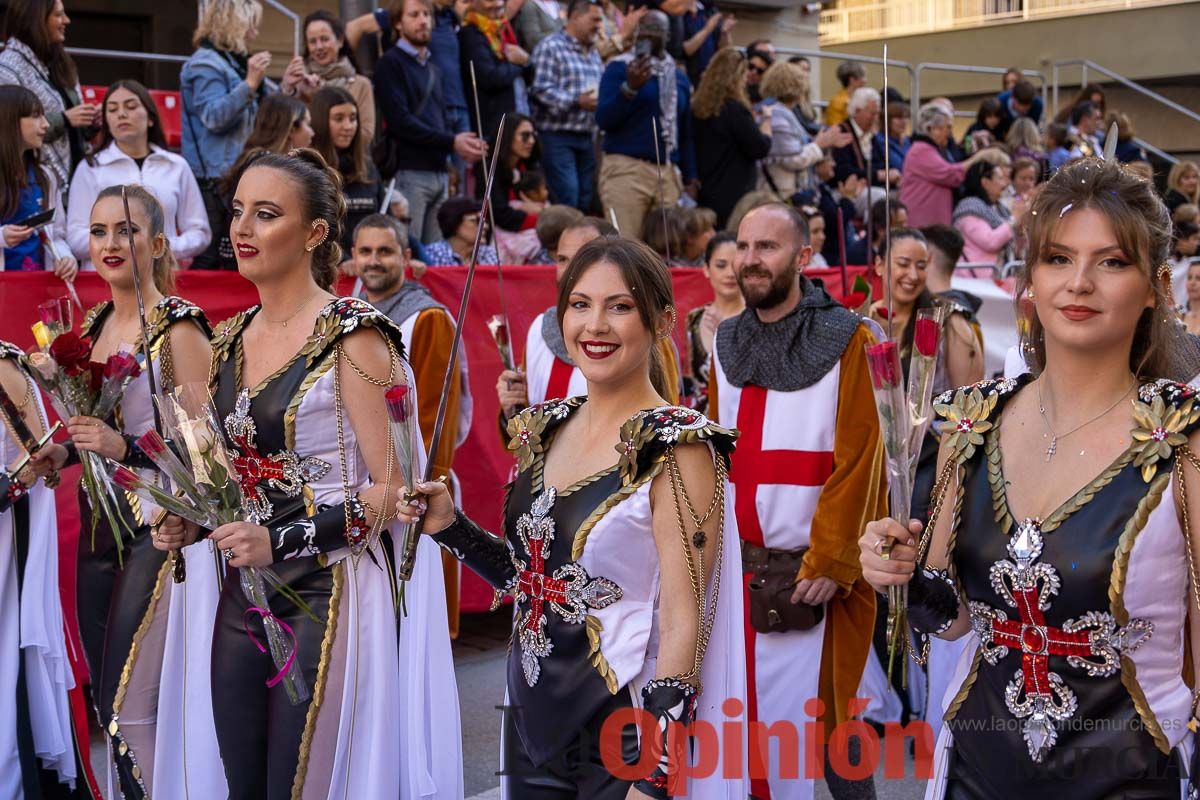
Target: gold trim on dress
<point x="596" y="654"/>
<point x="318" y="695"/>
<point x="965" y="689"/>
<point x="1116" y="598"/>
<point x="293" y="406"/>
<point x="606" y="505"/>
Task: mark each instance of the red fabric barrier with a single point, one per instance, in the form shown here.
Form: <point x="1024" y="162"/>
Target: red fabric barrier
<point x="482" y="465"/>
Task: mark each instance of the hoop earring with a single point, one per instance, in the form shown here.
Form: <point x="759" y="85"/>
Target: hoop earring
<point x="324" y="235"/>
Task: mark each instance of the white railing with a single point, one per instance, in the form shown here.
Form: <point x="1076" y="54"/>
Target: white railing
<point x="854" y="23"/>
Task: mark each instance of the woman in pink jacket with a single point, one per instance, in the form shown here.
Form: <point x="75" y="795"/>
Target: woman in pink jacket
<point x="929" y="179"/>
<point x="987" y="227"/>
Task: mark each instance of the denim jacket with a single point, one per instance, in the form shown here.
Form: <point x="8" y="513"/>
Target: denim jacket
<point x="218" y="112"/>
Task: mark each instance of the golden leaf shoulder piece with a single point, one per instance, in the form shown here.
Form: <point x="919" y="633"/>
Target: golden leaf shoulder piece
<point x="969" y="417"/>
<point x="529" y="430"/>
<point x="1160" y="429"/>
<point x="227" y="333"/>
<point x="596" y="655"/>
<point x="647" y="436"/>
<point x="93" y="314"/>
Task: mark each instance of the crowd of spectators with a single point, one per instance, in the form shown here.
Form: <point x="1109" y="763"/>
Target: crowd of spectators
<point x="643" y="113"/>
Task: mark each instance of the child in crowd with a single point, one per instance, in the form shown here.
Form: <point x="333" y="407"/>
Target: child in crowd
<point x="1058" y="146"/>
<point x="701" y="226"/>
<point x="550" y="225"/>
<point x="532" y="187"/>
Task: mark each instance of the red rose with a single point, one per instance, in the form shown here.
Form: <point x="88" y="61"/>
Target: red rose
<point x="121" y="366"/>
<point x="95" y="374"/>
<point x="925" y="337"/>
<point x="397" y="403"/>
<point x="71" y="352"/>
<point x="151" y="443"/>
<point x="855" y="300"/>
<point x="126" y="478"/>
<point x="883" y="362"/>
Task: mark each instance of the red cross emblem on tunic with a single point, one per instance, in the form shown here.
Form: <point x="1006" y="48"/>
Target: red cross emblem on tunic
<point x="285" y="471"/>
<point x="1093" y="642"/>
<point x="753" y="466"/>
<point x="570" y="591"/>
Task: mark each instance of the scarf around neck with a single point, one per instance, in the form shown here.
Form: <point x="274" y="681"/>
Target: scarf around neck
<point x="793" y="353"/>
<point x="490" y="28"/>
<point x="337" y="73"/>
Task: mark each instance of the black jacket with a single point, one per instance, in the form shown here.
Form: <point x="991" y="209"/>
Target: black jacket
<point x="728" y="147"/>
<point x="494" y="76"/>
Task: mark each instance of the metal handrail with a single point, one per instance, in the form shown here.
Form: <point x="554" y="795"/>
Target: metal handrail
<point x="891" y="62"/>
<point x="294" y="17"/>
<point x="131" y="55"/>
<point x="969" y="68"/>
<point x="1164" y="155"/>
<point x="1121" y="79"/>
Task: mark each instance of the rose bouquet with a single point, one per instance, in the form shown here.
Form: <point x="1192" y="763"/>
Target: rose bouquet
<point x="904" y="417"/>
<point x="78" y="386"/>
<point x="402" y="420"/>
<point x="207" y="492"/>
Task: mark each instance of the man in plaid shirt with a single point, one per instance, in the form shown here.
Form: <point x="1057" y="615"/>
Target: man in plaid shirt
<point x="567" y="71"/>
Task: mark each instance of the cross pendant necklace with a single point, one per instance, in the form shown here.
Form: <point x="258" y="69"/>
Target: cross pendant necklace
<point x="1054" y="437"/>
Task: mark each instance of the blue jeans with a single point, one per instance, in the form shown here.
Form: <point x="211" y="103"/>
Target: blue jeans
<point x="570" y="163"/>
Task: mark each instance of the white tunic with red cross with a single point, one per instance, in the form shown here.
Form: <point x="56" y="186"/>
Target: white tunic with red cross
<point x="548" y="377"/>
<point x="783" y="459"/>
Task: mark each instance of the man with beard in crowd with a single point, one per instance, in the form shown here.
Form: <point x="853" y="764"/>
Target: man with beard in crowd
<point x="380" y="258"/>
<point x="790" y="372"/>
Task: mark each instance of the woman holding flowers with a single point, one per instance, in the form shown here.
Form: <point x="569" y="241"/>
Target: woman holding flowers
<point x="34" y="668"/>
<point x="121" y="575"/>
<point x="1062" y="540"/>
<point x="616" y="552"/>
<point x="298" y="385"/>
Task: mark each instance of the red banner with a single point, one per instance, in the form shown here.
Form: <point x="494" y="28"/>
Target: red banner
<point x="482" y="464"/>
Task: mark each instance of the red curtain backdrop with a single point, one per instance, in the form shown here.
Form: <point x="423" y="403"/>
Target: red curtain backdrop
<point x="482" y="464"/>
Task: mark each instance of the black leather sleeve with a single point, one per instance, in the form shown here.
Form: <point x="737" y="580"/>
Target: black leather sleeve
<point x="72" y="453"/>
<point x="932" y="601"/>
<point x="323" y="532"/>
<point x="486" y="554"/>
<point x="672" y="702"/>
<point x="11" y="490"/>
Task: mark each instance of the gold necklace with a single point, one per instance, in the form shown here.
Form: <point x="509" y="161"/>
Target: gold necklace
<point x="1054" y="437"/>
<point x="284" y="322"/>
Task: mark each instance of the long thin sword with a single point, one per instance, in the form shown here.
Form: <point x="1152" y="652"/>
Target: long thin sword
<point x="887" y="196"/>
<point x="409" y="557"/>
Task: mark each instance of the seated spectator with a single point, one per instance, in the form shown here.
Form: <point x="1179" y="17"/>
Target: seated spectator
<point x="1191" y="308"/>
<point x="1127" y="150"/>
<point x="885" y="215"/>
<point x="851" y="75"/>
<point x="986" y="225"/>
<point x="816" y="235"/>
<point x="929" y="179"/>
<point x="339" y="139"/>
<point x="567" y="69"/>
<point x="408" y="83"/>
<point x="744" y="206"/>
<point x="1086" y="136"/>
<point x="458" y="220"/>
<point x="1183" y="185"/>
<point x="132" y="150"/>
<point x="35" y="56"/>
<point x="718" y="261"/>
<point x="1143" y="169"/>
<point x="637" y="96"/>
<point x="329" y="61"/>
<point x="701" y="225"/>
<point x="536" y="20"/>
<point x="952" y="152"/>
<point x="519" y="153"/>
<point x="665" y="232"/>
<point x="705" y="31"/>
<point x="1091" y="93"/>
<point x="27" y="188"/>
<point x="487" y="40"/>
<point x="898" y="141"/>
<point x="550" y="226"/>
<point x="1011" y="77"/>
<point x="758" y="61"/>
<point x="1025" y="141"/>
<point x="619" y="28"/>
<point x="787" y="169"/>
<point x="985" y="130"/>
<point x="1185" y="241"/>
<point x="1021" y="102"/>
<point x="846" y="185"/>
<point x="532" y="188"/>
<point x="1058" y="146"/>
<point x="860" y="152"/>
<point x="220" y="88"/>
<point x="1025" y="174"/>
<point x="729" y="142"/>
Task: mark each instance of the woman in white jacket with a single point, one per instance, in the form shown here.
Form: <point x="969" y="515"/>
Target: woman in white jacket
<point x="133" y="150"/>
<point x="785" y="170"/>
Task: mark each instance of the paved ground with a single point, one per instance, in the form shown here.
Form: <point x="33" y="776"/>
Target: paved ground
<point x="479" y="656"/>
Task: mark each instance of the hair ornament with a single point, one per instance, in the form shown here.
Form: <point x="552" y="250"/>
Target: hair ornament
<point x="1065" y="209"/>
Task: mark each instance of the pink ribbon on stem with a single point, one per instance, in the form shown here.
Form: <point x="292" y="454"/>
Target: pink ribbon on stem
<point x="265" y="613"/>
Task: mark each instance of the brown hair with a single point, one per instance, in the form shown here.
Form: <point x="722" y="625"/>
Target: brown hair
<point x="722" y="81"/>
<point x="16" y="163"/>
<point x="154" y="129"/>
<point x="165" y="265"/>
<point x="648" y="280"/>
<point x="319" y="187"/>
<point x="784" y="81"/>
<point x="29" y="21"/>
<point x="323" y="102"/>
<point x="278" y="115"/>
<point x="1143" y="231"/>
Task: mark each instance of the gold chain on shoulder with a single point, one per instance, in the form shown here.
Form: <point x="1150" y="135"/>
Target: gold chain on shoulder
<point x="706" y="608"/>
<point x="392" y="359"/>
<point x="1187" y="528"/>
<point x="939" y="497"/>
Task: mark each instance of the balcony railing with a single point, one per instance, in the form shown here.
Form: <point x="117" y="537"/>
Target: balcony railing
<point x="856" y="23"/>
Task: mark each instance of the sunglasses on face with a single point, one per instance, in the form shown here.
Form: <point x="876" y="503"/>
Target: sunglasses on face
<point x="757" y="70"/>
<point x="527" y="136"/>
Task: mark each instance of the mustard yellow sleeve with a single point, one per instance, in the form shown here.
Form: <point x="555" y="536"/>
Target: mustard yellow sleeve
<point x="713" y="412"/>
<point x="670" y="362"/>
<point x="433" y="335"/>
<point x="855" y="493"/>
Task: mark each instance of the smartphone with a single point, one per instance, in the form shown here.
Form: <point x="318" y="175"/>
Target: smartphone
<point x="36" y="220"/>
<point x="642" y="48"/>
